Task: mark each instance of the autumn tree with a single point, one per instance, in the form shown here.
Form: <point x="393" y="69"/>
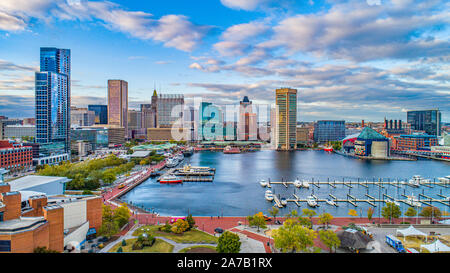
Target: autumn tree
<point x="431" y="212"/>
<point x="109" y="226"/>
<point x="353" y="213"/>
<point x="369" y="213"/>
<point x="180" y="226"/>
<point x="411" y="212"/>
<point x="325" y="219"/>
<point x="122" y="215"/>
<point x="257" y="220"/>
<point x="330" y="239"/>
<point x="273" y="211"/>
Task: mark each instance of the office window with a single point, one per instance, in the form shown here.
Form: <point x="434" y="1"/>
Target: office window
<point x="5" y="246"/>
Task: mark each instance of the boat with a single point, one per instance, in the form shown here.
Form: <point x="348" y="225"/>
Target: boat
<point x="269" y="196"/>
<point x="311" y="201"/>
<point x="171" y="162"/>
<point x="413" y="201"/>
<point x="170" y="179"/>
<point x="231" y="150"/>
<point x="305" y="184"/>
<point x="188" y="152"/>
<point x="328" y="149"/>
<point x="263" y="183"/>
<point x="269" y="192"/>
<point x="283" y="201"/>
<point x="415" y="181"/>
<point x="444" y="179"/>
<point x="298" y="183"/>
<point x="330" y="202"/>
<point x="392" y="201"/>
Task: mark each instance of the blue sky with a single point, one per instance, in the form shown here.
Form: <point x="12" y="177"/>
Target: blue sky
<point x="349" y="60"/>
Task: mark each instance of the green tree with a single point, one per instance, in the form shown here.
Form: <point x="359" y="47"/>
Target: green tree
<point x="391" y="211"/>
<point x="124" y="243"/>
<point x="257" y="220"/>
<point x="292" y="214"/>
<point x="190" y="221"/>
<point x="325" y="219"/>
<point x="273" y="211"/>
<point x="122" y="215"/>
<point x="411" y="212"/>
<point x="431" y="212"/>
<point x="228" y="243"/>
<point x="119" y="250"/>
<point x="309" y="213"/>
<point x="330" y="239"/>
<point x="292" y="237"/>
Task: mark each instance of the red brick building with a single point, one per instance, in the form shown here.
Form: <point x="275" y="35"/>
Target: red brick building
<point x="15" y="155"/>
<point x="415" y="142"/>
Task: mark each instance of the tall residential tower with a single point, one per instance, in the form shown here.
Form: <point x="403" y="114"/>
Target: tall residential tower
<point x="118" y="103"/>
<point x="53" y="98"/>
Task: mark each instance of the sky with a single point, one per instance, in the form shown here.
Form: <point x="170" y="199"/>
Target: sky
<point x="348" y="59"/>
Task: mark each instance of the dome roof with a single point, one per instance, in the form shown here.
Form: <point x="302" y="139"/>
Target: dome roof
<point x="369" y="133"/>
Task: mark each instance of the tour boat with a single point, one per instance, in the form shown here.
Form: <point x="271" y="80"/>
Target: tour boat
<point x="188" y="152"/>
<point x="263" y="183"/>
<point x="231" y="150"/>
<point x="269" y="196"/>
<point x="170" y="179"/>
<point x="180" y="157"/>
<point x="328" y="149"/>
<point x="305" y="184"/>
<point x="330" y="202"/>
<point x="298" y="183"/>
<point x="311" y="201"/>
<point x="171" y="162"/>
<point x="283" y="201"/>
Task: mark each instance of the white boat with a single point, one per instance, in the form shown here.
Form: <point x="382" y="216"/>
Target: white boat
<point x="311" y="201"/>
<point x="413" y="201"/>
<point x="283" y="201"/>
<point x="330" y="202"/>
<point x="392" y="201"/>
<point x="180" y="157"/>
<point x="263" y="183"/>
<point x="298" y="183"/>
<point x="415" y="181"/>
<point x="269" y="196"/>
<point x="171" y="163"/>
<point x="444" y="179"/>
<point x="269" y="192"/>
<point x="305" y="184"/>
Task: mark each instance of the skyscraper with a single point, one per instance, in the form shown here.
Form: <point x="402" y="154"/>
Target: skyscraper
<point x="53" y="97"/>
<point x="101" y="113"/>
<point x="210" y="122"/>
<point x="286" y="117"/>
<point x="426" y="120"/>
<point x="247" y="128"/>
<point x="118" y="103"/>
<point x="329" y="130"/>
<point x="166" y="107"/>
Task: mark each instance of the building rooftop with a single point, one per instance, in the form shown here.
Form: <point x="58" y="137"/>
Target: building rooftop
<point x="21" y="224"/>
<point x="30" y="181"/>
<point x="25" y="195"/>
<point x="419" y="136"/>
<point x="369" y="133"/>
<point x="140" y="154"/>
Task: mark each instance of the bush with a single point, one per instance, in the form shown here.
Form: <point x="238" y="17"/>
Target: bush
<point x="87" y="192"/>
<point x="124" y="243"/>
<point x="137" y="245"/>
<point x="166" y="228"/>
<point x="119" y="250"/>
<point x="405" y="223"/>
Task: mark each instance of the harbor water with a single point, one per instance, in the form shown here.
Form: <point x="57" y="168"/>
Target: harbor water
<point x="236" y="190"/>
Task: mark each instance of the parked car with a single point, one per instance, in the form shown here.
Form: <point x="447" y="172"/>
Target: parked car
<point x="218" y="230"/>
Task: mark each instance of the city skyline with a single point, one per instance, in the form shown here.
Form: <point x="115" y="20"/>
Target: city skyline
<point x="243" y="52"/>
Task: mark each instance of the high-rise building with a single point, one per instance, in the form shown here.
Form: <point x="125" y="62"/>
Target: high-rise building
<point x="134" y="119"/>
<point x="148" y="116"/>
<point x="329" y="130"/>
<point x="81" y="117"/>
<point x="286" y="117"/>
<point x="247" y="126"/>
<point x="101" y="113"/>
<point x="53" y="97"/>
<point x="170" y="109"/>
<point x="210" y="122"/>
<point x="428" y="121"/>
<point x="118" y="103"/>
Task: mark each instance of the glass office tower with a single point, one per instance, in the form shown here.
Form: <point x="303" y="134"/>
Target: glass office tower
<point x="101" y="113"/>
<point x="426" y="120"/>
<point x="329" y="130"/>
<point x="52" y="92"/>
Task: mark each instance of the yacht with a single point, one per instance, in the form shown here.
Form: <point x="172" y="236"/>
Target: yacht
<point x="444" y="179"/>
<point x="283" y="201"/>
<point x="180" y="157"/>
<point x="311" y="201"/>
<point x="171" y="162"/>
<point x="330" y="202"/>
<point x="170" y="179"/>
<point x="393" y="201"/>
<point x="263" y="183"/>
<point x="269" y="192"/>
<point x="269" y="197"/>
<point x="413" y="201"/>
<point x="305" y="184"/>
<point x="298" y="183"/>
<point x="188" y="152"/>
<point x="231" y="150"/>
<point x="415" y="181"/>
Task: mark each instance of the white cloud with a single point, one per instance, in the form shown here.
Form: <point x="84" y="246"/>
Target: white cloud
<point x="243" y="4"/>
<point x="11" y="23"/>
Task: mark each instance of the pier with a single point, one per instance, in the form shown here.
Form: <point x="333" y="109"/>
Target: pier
<point x="350" y="184"/>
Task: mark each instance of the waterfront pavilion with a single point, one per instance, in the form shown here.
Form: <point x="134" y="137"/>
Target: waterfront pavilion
<point x="371" y="143"/>
<point x="411" y="231"/>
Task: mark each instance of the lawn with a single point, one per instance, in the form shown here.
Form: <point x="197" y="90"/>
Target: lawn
<point x="199" y="249"/>
<point x="158" y="247"/>
<point x="193" y="236"/>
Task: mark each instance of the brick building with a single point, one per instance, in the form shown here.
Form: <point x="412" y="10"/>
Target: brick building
<point x="14" y="155"/>
<point x="415" y="142"/>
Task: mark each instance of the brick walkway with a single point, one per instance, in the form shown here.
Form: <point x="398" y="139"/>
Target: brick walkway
<point x="256" y="237"/>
